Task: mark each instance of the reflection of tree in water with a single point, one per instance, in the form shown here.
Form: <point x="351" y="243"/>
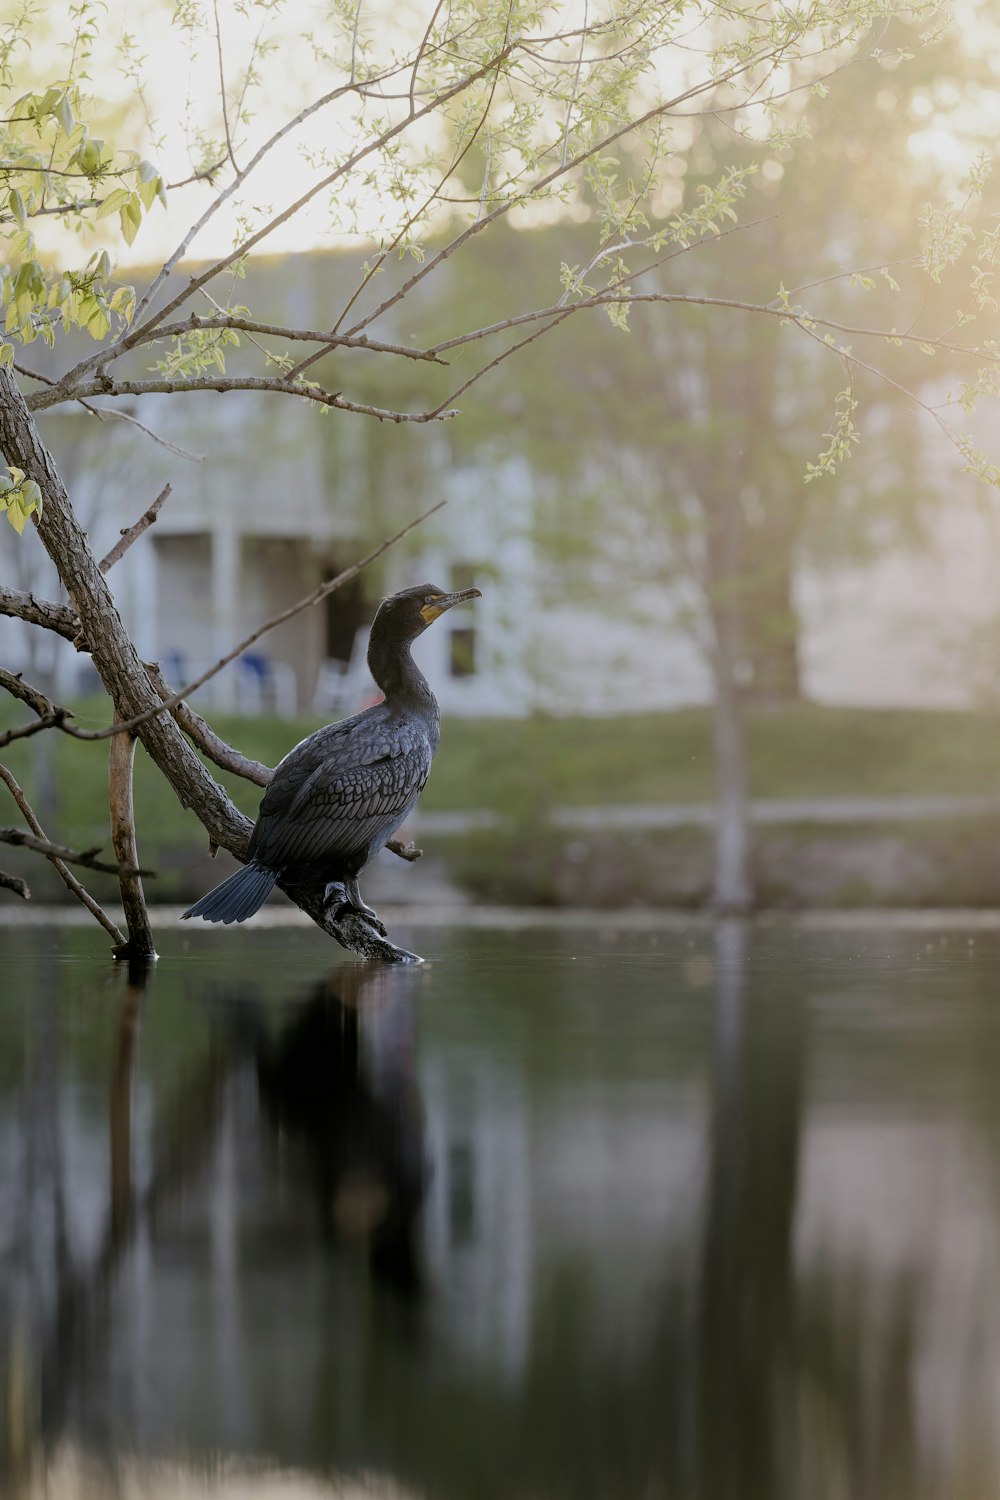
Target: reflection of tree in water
<point x="806" y="1376"/>
<point x="746" y="1298"/>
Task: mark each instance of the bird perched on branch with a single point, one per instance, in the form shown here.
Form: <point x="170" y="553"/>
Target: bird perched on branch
<point x="340" y="795"/>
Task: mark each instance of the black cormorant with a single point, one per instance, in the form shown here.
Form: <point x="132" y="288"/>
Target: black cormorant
<point x="340" y="795"/>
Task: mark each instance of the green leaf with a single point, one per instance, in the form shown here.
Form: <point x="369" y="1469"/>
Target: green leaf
<point x="63" y="112"/>
<point x="16" y="515"/>
<point x="129" y="227"/>
<point x="17" y="206"/>
<point x="149" y="192"/>
<point x="112" y="203"/>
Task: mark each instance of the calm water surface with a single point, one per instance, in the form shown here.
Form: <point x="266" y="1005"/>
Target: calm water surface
<point x="696" y="1216"/>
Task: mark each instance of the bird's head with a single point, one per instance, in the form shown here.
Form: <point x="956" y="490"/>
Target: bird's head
<point x="407" y="614"/>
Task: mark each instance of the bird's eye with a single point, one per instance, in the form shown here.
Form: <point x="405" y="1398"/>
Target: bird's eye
<point x="432" y="598"/>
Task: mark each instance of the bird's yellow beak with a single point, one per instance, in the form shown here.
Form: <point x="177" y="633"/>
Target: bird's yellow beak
<point x="437" y="607"/>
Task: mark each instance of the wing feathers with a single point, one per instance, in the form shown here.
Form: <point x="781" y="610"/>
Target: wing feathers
<point x="339" y="794"/>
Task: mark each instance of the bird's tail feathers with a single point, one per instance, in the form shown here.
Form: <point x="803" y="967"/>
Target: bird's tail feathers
<point x="238" y="897"/>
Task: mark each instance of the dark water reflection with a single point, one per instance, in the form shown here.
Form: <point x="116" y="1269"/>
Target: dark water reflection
<point x="699" y="1215"/>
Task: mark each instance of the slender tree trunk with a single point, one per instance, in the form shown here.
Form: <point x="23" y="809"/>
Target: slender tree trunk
<point x="732" y="889"/>
<point x="121" y="758"/>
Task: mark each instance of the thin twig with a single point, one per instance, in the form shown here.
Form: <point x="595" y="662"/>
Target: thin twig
<point x="222" y="89"/>
<point x="354" y="42"/>
<point x="195" y="323"/>
<point x="66" y="875"/>
<point x="102" y="413"/>
<point x="13" y="883"/>
<point x="217" y="202"/>
<point x="133" y="533"/>
<point x="85" y="857"/>
<point x="576" y="85"/>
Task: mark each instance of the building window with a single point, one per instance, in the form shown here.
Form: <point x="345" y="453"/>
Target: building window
<point x="462" y="655"/>
<point x="462" y="648"/>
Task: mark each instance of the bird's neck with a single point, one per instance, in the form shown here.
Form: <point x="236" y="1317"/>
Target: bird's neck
<point x="399" y="677"/>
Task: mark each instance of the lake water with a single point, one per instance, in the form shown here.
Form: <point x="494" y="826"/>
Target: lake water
<point x="693" y="1214"/>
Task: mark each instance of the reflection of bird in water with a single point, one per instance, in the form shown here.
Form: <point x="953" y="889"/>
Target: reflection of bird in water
<point x="340" y="795"/>
<point x="340" y="1080"/>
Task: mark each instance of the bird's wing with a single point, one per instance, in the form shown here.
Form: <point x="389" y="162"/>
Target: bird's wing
<point x="334" y="793"/>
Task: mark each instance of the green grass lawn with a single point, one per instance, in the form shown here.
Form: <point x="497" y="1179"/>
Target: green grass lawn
<point x="518" y="766"/>
<point x="522" y="768"/>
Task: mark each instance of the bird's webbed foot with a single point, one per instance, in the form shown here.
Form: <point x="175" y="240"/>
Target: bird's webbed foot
<point x="345" y="898"/>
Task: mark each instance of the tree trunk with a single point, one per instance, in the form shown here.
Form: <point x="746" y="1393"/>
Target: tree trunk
<point x="121" y="757"/>
<point x="732" y="889"/>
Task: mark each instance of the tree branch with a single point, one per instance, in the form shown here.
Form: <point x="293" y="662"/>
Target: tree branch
<point x="43" y="612"/>
<point x="13" y="883"/>
<point x="205" y="739"/>
<point x="133" y="533"/>
<point x="121" y="757"/>
<point x="330" y="340"/>
<point x="85" y="857"/>
<point x="276" y="385"/>
<point x="69" y="386"/>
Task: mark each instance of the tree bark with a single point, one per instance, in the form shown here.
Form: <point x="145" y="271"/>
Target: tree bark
<point x="121" y="756"/>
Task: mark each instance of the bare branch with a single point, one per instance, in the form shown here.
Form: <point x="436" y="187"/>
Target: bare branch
<point x="204" y="738"/>
<point x="32" y="696"/>
<point x="66" y="875"/>
<point x="331" y="339"/>
<point x="85" y="857"/>
<point x="44" y="612"/>
<point x="12" y="883"/>
<point x="103" y="413"/>
<point x="132" y="533"/>
<point x="222" y="89"/>
<point x="41" y="400"/>
<point x="420" y="53"/>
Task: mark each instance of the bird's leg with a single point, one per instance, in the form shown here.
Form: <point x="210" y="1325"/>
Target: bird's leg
<point x="354" y="897"/>
<point x="346" y="896"/>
